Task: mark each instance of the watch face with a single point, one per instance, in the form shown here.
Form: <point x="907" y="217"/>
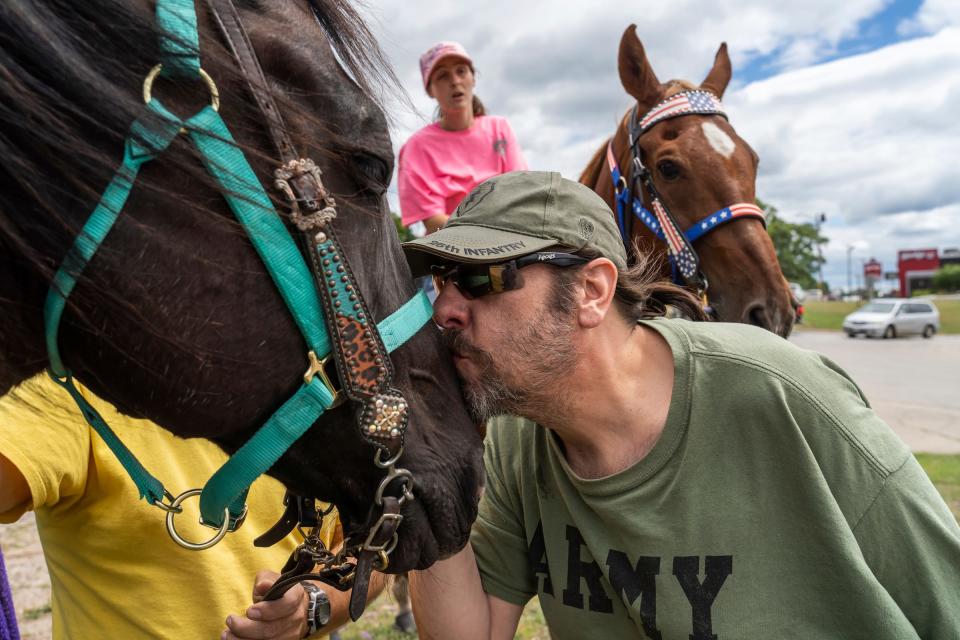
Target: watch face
<point x="322" y="613"/>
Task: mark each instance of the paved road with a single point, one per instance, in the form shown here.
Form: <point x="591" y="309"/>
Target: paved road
<point x="914" y="384"/>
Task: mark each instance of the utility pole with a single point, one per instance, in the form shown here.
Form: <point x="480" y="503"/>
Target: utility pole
<point x="867" y="288"/>
<point x="818" y="220"/>
<point x="849" y="270"/>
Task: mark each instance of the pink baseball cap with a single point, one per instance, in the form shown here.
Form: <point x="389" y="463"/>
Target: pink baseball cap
<point x="438" y="52"/>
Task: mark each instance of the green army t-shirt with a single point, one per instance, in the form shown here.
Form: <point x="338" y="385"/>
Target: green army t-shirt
<point x="775" y="504"/>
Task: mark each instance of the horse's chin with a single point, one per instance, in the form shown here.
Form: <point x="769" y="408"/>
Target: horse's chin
<point x="435" y="526"/>
<point x="419" y="545"/>
<point x="770" y="313"/>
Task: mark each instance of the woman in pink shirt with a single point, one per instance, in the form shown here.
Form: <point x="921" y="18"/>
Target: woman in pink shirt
<point x="442" y="162"/>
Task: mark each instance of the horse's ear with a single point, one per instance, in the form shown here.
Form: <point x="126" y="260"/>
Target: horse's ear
<point x="718" y="78"/>
<point x="636" y="74"/>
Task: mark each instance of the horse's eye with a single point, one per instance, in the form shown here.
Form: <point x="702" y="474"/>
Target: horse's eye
<point x="668" y="169"/>
<point x="374" y="169"/>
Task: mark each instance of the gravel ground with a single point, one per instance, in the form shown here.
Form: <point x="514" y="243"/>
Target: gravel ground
<point x="27" y="572"/>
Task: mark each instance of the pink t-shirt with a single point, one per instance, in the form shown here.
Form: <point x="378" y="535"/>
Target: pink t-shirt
<point x="438" y="167"/>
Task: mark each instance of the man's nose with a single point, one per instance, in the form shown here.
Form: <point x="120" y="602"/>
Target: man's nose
<point x="451" y="309"/>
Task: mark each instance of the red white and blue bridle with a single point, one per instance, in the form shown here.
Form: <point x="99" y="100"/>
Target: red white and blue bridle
<point x="684" y="261"/>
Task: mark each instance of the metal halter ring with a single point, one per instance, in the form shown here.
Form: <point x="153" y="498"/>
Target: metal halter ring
<point x="389" y="463"/>
<point x="211" y="86"/>
<point x="383" y="560"/>
<point x="169" y="508"/>
<point x="406" y="485"/>
<point x="186" y="544"/>
<point x="620" y="185"/>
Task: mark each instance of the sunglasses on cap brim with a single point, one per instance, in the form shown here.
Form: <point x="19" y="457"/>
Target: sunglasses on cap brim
<point x="476" y="280"/>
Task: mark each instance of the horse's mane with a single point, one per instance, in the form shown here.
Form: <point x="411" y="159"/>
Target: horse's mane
<point x="676" y="86"/>
<point x="591" y="174"/>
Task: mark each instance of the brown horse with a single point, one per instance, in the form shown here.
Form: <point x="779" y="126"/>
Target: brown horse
<point x="176" y="318"/>
<point x="699" y="165"/>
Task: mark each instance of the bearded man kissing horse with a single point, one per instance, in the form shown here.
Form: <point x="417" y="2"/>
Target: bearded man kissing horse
<point x="703" y="226"/>
<point x="175" y="317"/>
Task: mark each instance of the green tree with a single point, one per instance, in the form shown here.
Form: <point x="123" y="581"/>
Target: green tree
<point x="947" y="278"/>
<point x="402" y="231"/>
<point x="797" y="246"/>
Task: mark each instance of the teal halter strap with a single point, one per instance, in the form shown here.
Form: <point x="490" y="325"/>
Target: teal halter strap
<point x="255" y="457"/>
<point x="149" y="137"/>
<point x="179" y="39"/>
<point x="142" y="145"/>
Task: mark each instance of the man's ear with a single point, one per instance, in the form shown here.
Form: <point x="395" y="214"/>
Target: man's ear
<point x="598" y="284"/>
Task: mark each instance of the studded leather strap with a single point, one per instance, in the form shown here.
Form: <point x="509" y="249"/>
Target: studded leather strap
<point x="362" y="361"/>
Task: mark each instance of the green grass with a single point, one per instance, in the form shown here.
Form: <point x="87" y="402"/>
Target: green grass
<point x="532" y="625"/>
<point x="949" y="315"/>
<point x="830" y="315"/>
<point x="944" y="471"/>
<point x="36" y="613"/>
<point x="377" y="622"/>
<point x="827" y="315"/>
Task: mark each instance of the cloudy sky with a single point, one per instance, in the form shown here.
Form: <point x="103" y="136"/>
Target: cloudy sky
<point x="852" y="105"/>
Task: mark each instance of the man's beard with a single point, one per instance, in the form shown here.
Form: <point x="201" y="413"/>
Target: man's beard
<point x="538" y="357"/>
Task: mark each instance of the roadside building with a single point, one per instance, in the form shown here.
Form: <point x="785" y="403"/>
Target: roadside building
<point x="915" y="268"/>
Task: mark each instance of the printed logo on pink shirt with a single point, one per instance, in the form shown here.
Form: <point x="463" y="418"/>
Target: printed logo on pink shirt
<point x="500" y="147"/>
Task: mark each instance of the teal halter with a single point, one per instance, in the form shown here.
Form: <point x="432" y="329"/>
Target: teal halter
<point x="222" y="498"/>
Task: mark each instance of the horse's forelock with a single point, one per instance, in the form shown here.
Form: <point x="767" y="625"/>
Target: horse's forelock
<point x="675" y="86"/>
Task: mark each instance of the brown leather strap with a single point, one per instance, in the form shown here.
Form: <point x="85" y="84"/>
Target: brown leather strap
<point x="300" y="510"/>
<point x="345" y="576"/>
<point x="366" y="558"/>
<point x="297" y="179"/>
<point x="339" y="577"/>
<point x="227" y="18"/>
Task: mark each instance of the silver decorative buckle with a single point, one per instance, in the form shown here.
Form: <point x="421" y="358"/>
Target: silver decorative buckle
<point x="289" y="180"/>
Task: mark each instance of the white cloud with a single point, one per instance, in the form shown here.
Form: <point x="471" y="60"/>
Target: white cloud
<point x="932" y="16"/>
<point x="871" y="140"/>
<point x="560" y="57"/>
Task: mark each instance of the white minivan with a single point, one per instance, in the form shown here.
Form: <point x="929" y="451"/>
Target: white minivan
<point x="892" y="317"/>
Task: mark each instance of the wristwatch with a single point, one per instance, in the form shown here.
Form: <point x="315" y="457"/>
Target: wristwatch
<point x="318" y="607"/>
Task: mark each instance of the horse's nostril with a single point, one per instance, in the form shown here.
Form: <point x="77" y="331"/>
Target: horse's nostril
<point x="757" y="316"/>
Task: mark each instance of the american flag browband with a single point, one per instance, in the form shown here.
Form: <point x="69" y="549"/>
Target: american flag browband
<point x="681" y="104"/>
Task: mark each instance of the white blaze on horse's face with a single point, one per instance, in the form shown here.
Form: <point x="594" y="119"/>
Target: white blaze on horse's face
<point x="718" y="139"/>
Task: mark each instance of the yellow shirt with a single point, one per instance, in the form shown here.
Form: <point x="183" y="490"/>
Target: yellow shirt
<point x="114" y="571"/>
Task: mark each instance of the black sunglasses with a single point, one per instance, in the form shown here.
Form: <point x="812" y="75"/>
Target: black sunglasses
<point x="475" y="280"/>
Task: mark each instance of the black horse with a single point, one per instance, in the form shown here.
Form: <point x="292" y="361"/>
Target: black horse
<point x="176" y="319"/>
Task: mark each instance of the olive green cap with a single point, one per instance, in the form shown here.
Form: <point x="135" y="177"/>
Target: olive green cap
<point x="517" y="213"/>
